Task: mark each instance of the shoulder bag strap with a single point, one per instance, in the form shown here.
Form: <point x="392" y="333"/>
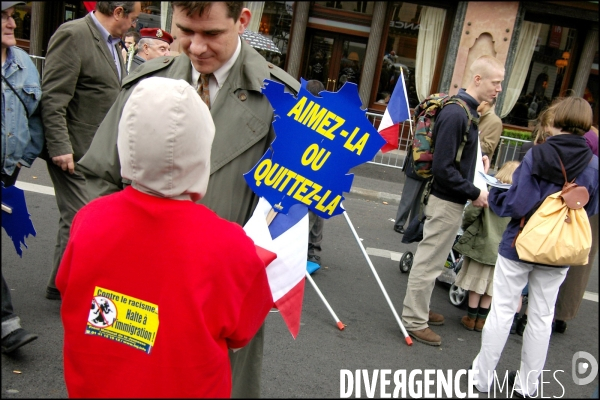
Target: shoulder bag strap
<point x="563" y="170"/>
<point x="17" y="94"/>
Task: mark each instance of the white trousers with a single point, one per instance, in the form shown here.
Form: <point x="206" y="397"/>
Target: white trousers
<point x="510" y="277"/>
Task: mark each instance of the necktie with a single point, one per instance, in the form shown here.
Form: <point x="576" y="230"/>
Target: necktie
<point x="203" y="88"/>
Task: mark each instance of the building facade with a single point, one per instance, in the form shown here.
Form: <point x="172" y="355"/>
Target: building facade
<point x="549" y="49"/>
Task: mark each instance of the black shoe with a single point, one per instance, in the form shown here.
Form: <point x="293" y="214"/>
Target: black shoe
<point x="16" y="339"/>
<point x="521" y="324"/>
<point x="559" y="326"/>
<point x="399" y="230"/>
<point x="511" y="383"/>
<point x="52" y="293"/>
<point x="314" y="258"/>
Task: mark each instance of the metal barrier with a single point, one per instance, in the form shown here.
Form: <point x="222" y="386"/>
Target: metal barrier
<point x="508" y="148"/>
<point x="39" y="63"/>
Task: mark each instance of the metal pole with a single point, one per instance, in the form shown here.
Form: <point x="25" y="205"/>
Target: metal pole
<point x="340" y="325"/>
<point x="406" y="337"/>
<point x="270" y="216"/>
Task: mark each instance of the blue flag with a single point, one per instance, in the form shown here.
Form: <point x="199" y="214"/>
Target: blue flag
<point x="17" y="223"/>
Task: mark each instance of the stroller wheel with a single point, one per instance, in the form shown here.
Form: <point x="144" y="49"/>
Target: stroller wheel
<point x="406" y="262"/>
<point x="457" y="295"/>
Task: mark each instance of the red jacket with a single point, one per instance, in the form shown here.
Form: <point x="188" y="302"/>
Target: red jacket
<point x="199" y="272"/>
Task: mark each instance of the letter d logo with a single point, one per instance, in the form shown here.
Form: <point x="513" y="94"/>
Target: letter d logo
<point x="580" y="367"/>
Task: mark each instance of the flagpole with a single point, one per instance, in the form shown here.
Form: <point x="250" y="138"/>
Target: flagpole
<point x="339" y="323"/>
<point x="270" y="216"/>
<point x="406" y="337"/>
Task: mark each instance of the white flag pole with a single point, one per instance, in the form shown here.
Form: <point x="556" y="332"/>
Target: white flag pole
<point x="339" y="323"/>
<point x="406" y="337"/>
<point x="270" y="216"/>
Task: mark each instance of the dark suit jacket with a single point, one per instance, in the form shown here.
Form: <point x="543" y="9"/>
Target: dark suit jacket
<point x="136" y="62"/>
<point x="79" y="86"/>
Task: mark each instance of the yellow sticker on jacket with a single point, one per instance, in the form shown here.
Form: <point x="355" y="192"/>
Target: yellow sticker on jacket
<point x="123" y="318"/>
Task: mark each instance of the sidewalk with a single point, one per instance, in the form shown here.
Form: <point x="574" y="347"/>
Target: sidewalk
<point x="377" y="183"/>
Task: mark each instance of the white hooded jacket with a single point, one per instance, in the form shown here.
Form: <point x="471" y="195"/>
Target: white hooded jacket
<point x="164" y="140"/>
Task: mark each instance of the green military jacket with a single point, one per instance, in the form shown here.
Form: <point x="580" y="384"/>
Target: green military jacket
<point x="482" y="234"/>
<point x="243" y="119"/>
<point x="79" y="86"/>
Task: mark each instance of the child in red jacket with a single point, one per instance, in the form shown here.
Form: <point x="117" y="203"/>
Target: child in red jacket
<point x="155" y="288"/>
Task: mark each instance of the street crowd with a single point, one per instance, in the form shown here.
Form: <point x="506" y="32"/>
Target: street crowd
<point x="140" y="140"/>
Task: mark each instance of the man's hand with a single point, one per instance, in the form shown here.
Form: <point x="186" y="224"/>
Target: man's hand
<point x="481" y="201"/>
<point x="65" y="162"/>
<point x="486" y="163"/>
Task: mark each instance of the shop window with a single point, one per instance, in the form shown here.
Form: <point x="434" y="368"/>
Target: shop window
<point x="150" y="15"/>
<point x="364" y="7"/>
<point x="22" y="17"/>
<point x="273" y="21"/>
<point x="550" y="75"/>
<point x="70" y="12"/>
<point x="401" y="52"/>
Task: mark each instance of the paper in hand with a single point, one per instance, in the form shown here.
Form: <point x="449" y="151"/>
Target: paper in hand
<point x="490" y="180"/>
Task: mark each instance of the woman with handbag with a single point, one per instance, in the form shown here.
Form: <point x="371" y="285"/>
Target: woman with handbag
<point x="539" y="176"/>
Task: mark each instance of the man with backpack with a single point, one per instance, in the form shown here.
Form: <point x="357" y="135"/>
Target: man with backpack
<point x="452" y="186"/>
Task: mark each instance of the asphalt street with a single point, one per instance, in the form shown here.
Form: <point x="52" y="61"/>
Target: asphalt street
<point x="311" y="365"/>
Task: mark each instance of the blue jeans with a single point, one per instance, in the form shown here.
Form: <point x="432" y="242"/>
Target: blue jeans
<point x="10" y="322"/>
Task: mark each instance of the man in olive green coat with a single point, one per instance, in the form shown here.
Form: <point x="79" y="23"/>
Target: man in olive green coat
<point x="81" y="80"/>
<point x="243" y="120"/>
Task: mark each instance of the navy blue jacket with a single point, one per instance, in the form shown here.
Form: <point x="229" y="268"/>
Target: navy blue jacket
<point x="449" y="182"/>
<point x="527" y="193"/>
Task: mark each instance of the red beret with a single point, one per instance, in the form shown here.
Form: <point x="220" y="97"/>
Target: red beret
<point x="156" y="33"/>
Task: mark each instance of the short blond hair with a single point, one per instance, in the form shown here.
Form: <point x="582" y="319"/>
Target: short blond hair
<point x="505" y="173"/>
<point x="484" y="65"/>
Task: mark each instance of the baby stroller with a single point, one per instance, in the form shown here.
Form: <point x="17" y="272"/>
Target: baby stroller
<point x="454" y="262"/>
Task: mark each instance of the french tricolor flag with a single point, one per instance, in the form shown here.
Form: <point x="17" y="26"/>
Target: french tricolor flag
<point x="396" y="113"/>
<point x="286" y="236"/>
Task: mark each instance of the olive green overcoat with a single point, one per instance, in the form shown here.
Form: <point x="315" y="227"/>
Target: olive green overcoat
<point x="243" y="120"/>
<point x="80" y="83"/>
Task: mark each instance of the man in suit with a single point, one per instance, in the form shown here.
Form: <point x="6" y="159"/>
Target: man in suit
<point x="229" y="76"/>
<point x="154" y="43"/>
<point x="82" y="78"/>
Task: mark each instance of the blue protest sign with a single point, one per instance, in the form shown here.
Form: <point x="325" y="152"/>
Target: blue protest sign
<point x="319" y="139"/>
<point x="15" y="220"/>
